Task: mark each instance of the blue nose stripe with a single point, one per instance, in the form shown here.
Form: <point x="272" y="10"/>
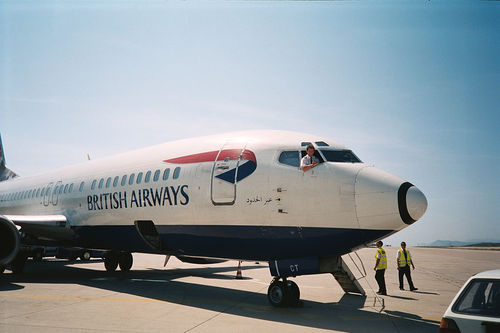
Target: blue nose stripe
<point x="244" y="170"/>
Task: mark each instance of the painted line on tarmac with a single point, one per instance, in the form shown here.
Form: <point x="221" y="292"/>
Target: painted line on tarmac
<point x="67" y="298"/>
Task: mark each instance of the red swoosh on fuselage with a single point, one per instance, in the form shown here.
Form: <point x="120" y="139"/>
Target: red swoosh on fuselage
<point x="232" y="154"/>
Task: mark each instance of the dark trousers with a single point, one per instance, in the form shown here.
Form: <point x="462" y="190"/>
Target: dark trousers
<point x="405" y="271"/>
<point x="379" y="276"/>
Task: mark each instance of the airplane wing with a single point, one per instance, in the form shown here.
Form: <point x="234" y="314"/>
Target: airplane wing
<point x="48" y="227"/>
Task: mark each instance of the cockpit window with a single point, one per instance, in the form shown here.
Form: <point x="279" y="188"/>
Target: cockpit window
<point x="305" y="143"/>
<point x="322" y="144"/>
<point x="316" y="154"/>
<point x="342" y="156"/>
<point x="290" y="158"/>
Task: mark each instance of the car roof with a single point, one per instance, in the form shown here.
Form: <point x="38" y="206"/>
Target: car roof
<point x="493" y="274"/>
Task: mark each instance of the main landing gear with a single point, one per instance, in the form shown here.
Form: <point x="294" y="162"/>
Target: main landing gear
<point x="114" y="259"/>
<point x="282" y="293"/>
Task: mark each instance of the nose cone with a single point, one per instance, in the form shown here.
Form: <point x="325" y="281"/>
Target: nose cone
<point x="412" y="203"/>
<point x="386" y="202"/>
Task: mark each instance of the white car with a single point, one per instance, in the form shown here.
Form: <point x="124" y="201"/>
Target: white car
<point x="476" y="307"/>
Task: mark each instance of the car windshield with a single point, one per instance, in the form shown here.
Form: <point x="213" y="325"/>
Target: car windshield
<point x="343" y="156"/>
<point x="480" y="298"/>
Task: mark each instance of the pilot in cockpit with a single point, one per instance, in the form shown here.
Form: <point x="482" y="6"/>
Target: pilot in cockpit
<point x="309" y="161"/>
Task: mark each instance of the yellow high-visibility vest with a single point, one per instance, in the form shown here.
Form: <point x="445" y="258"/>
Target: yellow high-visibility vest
<point x="382" y="264"/>
<point x="402" y="260"/>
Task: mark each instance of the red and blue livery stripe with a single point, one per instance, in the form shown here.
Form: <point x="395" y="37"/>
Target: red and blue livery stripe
<point x="247" y="165"/>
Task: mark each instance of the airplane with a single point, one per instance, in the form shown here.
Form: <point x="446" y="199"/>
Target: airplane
<point x="231" y="196"/>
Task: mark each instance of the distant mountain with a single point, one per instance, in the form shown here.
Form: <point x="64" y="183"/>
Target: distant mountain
<point x="476" y="242"/>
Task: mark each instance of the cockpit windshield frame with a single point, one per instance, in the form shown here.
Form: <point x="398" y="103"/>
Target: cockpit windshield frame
<point x="340" y="156"/>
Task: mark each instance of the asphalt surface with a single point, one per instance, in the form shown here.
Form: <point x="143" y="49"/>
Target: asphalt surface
<point x="61" y="296"/>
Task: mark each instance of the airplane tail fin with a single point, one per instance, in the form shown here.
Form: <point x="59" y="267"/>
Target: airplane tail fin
<point x="5" y="173"/>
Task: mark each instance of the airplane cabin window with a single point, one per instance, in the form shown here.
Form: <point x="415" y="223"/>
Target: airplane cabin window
<point x="29" y="194"/>
<point x="290" y="158"/>
<point x="124" y="180"/>
<point x="71" y="188"/>
<point x="94" y="182"/>
<point x="139" y="178"/>
<point x="38" y="193"/>
<point x="66" y="188"/>
<point x="115" y="181"/>
<point x="177" y="172"/>
<point x="321" y="144"/>
<point x="56" y="190"/>
<point x="48" y="191"/>
<point x="101" y="182"/>
<point x="81" y="186"/>
<point x="156" y="176"/>
<point x="147" y="177"/>
<point x="166" y="173"/>
<point x="108" y="182"/>
<point x="61" y="189"/>
<point x="342" y="156"/>
<point x="131" y="179"/>
<point x="43" y="192"/>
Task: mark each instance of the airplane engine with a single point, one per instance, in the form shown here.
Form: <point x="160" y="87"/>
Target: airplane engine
<point x="9" y="240"/>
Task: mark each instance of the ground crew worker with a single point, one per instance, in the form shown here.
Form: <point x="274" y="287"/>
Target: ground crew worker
<point x="380" y="267"/>
<point x="404" y="261"/>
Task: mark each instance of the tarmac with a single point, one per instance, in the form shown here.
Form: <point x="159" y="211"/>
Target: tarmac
<point x="62" y="296"/>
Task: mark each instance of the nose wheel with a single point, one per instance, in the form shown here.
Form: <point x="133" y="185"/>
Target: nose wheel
<point x="282" y="293"/>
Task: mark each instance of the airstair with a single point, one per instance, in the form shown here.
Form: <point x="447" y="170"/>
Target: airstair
<point x="344" y="276"/>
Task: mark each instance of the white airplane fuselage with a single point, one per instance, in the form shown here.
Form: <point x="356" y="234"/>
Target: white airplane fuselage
<point x="233" y="196"/>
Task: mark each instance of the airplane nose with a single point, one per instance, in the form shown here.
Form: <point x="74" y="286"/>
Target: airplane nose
<point x="411" y="202"/>
<point x="384" y="201"/>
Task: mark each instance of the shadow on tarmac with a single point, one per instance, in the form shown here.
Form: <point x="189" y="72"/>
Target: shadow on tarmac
<point x="346" y="315"/>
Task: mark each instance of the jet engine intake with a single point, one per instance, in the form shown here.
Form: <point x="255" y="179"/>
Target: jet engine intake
<point x="9" y="240"/>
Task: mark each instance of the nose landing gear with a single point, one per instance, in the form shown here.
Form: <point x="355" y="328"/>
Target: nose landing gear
<point x="283" y="293"/>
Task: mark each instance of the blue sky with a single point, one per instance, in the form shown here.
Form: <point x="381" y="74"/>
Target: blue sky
<point x="412" y="87"/>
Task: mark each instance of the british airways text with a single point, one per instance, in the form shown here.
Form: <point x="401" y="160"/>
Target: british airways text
<point x="147" y="197"/>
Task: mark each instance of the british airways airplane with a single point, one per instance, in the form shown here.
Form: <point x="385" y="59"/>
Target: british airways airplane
<point x="236" y="196"/>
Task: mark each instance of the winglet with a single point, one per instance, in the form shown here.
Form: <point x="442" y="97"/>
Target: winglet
<point x="5" y="173"/>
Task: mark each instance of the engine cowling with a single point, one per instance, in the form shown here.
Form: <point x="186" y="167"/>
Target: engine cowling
<point x="9" y="240"/>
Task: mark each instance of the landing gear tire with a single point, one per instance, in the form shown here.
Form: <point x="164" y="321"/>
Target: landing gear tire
<point x="111" y="261"/>
<point x="38" y="255"/>
<point x="283" y="293"/>
<point x="17" y="264"/>
<point x="85" y="256"/>
<point x="276" y="293"/>
<point x="293" y="293"/>
<point x="125" y="261"/>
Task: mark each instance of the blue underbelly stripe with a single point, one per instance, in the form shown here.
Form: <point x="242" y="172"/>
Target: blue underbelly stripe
<point x="233" y="242"/>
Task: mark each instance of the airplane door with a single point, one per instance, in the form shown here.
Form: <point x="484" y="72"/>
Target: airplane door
<point x="46" y="196"/>
<point x="224" y="173"/>
<point x="55" y="193"/>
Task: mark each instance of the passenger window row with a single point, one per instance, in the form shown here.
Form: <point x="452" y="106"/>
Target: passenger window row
<point x="133" y="178"/>
<point x="110" y="181"/>
<point x="39" y="192"/>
